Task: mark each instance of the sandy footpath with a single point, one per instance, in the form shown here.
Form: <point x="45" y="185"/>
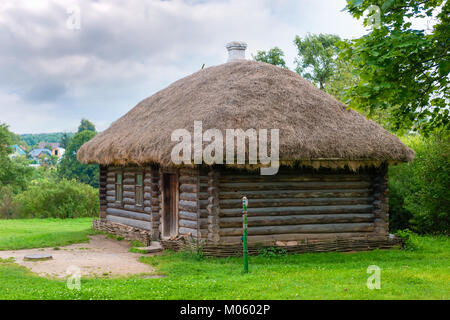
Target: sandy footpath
<point x="100" y="257"/>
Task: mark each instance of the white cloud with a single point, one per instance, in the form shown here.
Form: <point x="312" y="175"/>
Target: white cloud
<point x="128" y="49"/>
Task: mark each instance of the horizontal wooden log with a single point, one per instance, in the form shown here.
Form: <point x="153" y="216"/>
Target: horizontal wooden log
<point x="289" y="202"/>
<point x="129" y="181"/>
<point x="187" y="224"/>
<point x="128" y="214"/>
<point x="273" y="211"/>
<point x="111" y="193"/>
<point x="110" y="187"/>
<point x="252" y="186"/>
<point x="129" y="188"/>
<point x="146" y="225"/>
<point x="187" y="180"/>
<point x="190" y="206"/>
<point x="265" y="194"/>
<point x="186" y="215"/>
<point x="129" y="201"/>
<point x="111" y="198"/>
<point x="295" y="220"/>
<point x="188" y="196"/>
<point x="129" y="194"/>
<point x="186" y="231"/>
<point x="294" y="177"/>
<point x="189" y="188"/>
<point x="306" y="228"/>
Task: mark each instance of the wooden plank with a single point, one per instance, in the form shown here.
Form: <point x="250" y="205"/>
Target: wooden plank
<point x="264" y="194"/>
<point x="306" y="228"/>
<point x="129" y="222"/>
<point x="252" y="186"/>
<point x="187" y="224"/>
<point x="273" y="211"/>
<point x="186" y="215"/>
<point x="128" y="214"/>
<point x="294" y="177"/>
<point x="288" y="202"/>
<point x="236" y="222"/>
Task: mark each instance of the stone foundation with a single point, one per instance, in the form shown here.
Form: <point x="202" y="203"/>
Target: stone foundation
<point x="121" y="230"/>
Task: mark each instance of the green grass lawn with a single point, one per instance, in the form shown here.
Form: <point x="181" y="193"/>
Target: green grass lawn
<point x="37" y="233"/>
<point x="422" y="273"/>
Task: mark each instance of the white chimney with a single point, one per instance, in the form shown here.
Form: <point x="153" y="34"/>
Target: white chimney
<point x="236" y="51"/>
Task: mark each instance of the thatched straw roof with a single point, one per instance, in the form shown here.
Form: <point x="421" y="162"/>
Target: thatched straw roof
<point x="246" y="94"/>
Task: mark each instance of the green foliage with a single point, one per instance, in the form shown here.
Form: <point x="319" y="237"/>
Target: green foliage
<point x="86" y="125"/>
<point x="272" y="252"/>
<point x="407" y="237"/>
<point x="47" y="198"/>
<point x="274" y="56"/>
<point x="35" y="139"/>
<point x="419" y="191"/>
<point x="402" y="69"/>
<point x="71" y="168"/>
<point x="14" y="173"/>
<point x="316" y="59"/>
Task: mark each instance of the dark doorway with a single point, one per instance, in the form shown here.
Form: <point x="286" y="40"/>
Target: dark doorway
<point x="170" y="194"/>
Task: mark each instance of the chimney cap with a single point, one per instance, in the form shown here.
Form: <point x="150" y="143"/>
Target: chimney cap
<point x="236" y="50"/>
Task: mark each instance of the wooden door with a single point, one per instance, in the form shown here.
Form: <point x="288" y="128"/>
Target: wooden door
<point x="170" y="193"/>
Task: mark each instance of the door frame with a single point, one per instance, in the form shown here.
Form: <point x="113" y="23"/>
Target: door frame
<point x="173" y="172"/>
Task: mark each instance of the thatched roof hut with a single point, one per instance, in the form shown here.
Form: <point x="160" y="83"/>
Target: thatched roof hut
<point x="315" y="130"/>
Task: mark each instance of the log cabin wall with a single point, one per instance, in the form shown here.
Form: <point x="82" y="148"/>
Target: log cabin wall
<point x="103" y="204"/>
<point x="297" y="205"/>
<point x="189" y="204"/>
<point x="127" y="210"/>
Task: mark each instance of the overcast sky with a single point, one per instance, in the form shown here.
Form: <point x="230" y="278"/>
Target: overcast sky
<point x="52" y="74"/>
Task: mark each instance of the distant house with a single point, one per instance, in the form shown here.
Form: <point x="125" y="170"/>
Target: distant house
<point x="58" y="152"/>
<point x="17" y="151"/>
<point x="50" y="145"/>
<point x="39" y="155"/>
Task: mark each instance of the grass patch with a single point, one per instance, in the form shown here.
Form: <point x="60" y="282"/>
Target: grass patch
<point x="35" y="233"/>
<point x="422" y="273"/>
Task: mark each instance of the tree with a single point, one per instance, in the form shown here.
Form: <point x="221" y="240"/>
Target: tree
<point x="65" y="140"/>
<point x="316" y="60"/>
<point x="69" y="166"/>
<point x="401" y="68"/>
<point x="13" y="173"/>
<point x="274" y="56"/>
<point x="86" y="125"/>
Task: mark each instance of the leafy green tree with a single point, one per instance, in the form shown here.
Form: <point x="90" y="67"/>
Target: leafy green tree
<point x="65" y="140"/>
<point x="402" y="68"/>
<point x="86" y="125"/>
<point x="316" y="60"/>
<point x="69" y="166"/>
<point x="274" y="56"/>
<point x="14" y="173"/>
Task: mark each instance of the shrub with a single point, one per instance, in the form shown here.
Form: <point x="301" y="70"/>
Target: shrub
<point x="50" y="198"/>
<point x="8" y="208"/>
<point x="420" y="193"/>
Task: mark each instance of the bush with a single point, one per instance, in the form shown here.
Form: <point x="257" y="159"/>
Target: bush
<point x="8" y="207"/>
<point x="49" y="198"/>
<point x="420" y="193"/>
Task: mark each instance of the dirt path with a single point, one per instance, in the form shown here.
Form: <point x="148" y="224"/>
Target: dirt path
<point x="100" y="257"/>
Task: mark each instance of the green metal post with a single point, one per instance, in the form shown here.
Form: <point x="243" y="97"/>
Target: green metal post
<point x="244" y="238"/>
